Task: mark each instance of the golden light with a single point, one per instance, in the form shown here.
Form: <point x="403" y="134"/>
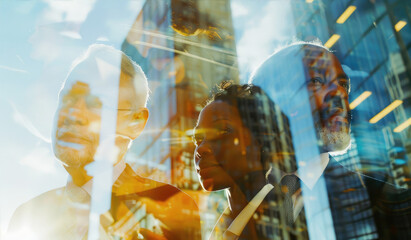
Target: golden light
<point x="400" y="24"/>
<point x="189" y="132"/>
<point x="346" y="14"/>
<point x="403" y="126"/>
<point x="385" y="111"/>
<point x="309" y="1"/>
<point x="333" y="39"/>
<point x="360" y="99"/>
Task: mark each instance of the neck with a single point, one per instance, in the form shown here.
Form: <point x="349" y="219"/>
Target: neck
<point x="244" y="190"/>
<point x="239" y="197"/>
<point x="78" y="175"/>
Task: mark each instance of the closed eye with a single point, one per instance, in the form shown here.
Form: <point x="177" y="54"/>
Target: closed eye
<point x="226" y="131"/>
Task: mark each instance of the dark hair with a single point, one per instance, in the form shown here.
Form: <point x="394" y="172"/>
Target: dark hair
<point x="268" y="125"/>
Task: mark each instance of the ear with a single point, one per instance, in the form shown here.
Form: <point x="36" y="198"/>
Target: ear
<point x="138" y="122"/>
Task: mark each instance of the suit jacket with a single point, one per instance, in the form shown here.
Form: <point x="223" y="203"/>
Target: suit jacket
<point x="359" y="206"/>
<point x="140" y="207"/>
<point x="365" y="206"/>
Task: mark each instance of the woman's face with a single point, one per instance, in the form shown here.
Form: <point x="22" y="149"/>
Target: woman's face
<point x="225" y="150"/>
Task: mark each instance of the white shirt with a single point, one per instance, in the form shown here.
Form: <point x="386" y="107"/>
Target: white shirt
<point x="117" y="170"/>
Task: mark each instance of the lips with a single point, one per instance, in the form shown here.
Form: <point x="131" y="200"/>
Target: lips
<point x="335" y="108"/>
<point x="71" y="136"/>
<point x="208" y="174"/>
<point x="202" y="165"/>
<point x="205" y="168"/>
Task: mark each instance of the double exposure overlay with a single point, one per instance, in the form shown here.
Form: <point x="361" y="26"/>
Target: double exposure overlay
<point x="195" y="119"/>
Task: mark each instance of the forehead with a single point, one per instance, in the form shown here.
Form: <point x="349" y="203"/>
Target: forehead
<point x="121" y="89"/>
<point x="315" y="57"/>
<point x="216" y="111"/>
<point x="79" y="88"/>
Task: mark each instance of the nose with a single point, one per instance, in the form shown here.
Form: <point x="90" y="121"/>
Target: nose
<point x="201" y="151"/>
<point x="336" y="96"/>
<point x="335" y="101"/>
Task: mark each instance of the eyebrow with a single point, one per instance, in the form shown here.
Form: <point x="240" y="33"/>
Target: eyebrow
<point x="345" y="77"/>
<point x="342" y="76"/>
<point x="196" y="128"/>
<point x="220" y="119"/>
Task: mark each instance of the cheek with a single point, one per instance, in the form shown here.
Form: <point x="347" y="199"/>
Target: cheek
<point x="94" y="127"/>
<point x="225" y="148"/>
<point x="125" y="125"/>
<point x="316" y="100"/>
<point x="60" y="117"/>
<point x="232" y="156"/>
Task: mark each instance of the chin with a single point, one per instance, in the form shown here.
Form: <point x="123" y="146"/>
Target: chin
<point x="335" y="143"/>
<point x="210" y="185"/>
<point x="207" y="187"/>
<point x="73" y="158"/>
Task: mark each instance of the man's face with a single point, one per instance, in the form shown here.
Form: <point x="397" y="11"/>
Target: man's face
<point x="78" y="121"/>
<point x="328" y="87"/>
<point x="78" y="125"/>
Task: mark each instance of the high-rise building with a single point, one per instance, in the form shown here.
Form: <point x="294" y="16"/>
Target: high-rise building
<point x="186" y="48"/>
<point x="264" y="116"/>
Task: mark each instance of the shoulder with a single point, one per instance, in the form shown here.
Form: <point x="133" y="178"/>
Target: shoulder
<point x="41" y="201"/>
<point x="375" y="184"/>
<point x="35" y="209"/>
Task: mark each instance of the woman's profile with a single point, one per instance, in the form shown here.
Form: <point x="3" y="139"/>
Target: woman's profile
<point x="242" y="145"/>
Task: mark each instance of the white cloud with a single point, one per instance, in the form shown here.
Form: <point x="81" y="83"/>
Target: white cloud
<point x="74" y="10"/>
<point x="26" y="123"/>
<point x="262" y="33"/>
<point x="354" y="73"/>
<point x="135" y="5"/>
<point x="238" y="9"/>
<point x="40" y="159"/>
<point x="71" y="34"/>
<point x="13" y="69"/>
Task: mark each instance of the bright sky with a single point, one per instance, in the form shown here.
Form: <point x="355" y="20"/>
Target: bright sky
<point x="39" y="40"/>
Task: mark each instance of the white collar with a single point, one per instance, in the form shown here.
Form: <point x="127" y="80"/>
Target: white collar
<point x="309" y="174"/>
<point x="117" y="170"/>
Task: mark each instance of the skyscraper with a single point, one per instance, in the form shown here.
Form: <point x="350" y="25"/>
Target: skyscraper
<point x="186" y="48"/>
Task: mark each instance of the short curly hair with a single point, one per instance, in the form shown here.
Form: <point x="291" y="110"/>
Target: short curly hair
<point x="268" y="125"/>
